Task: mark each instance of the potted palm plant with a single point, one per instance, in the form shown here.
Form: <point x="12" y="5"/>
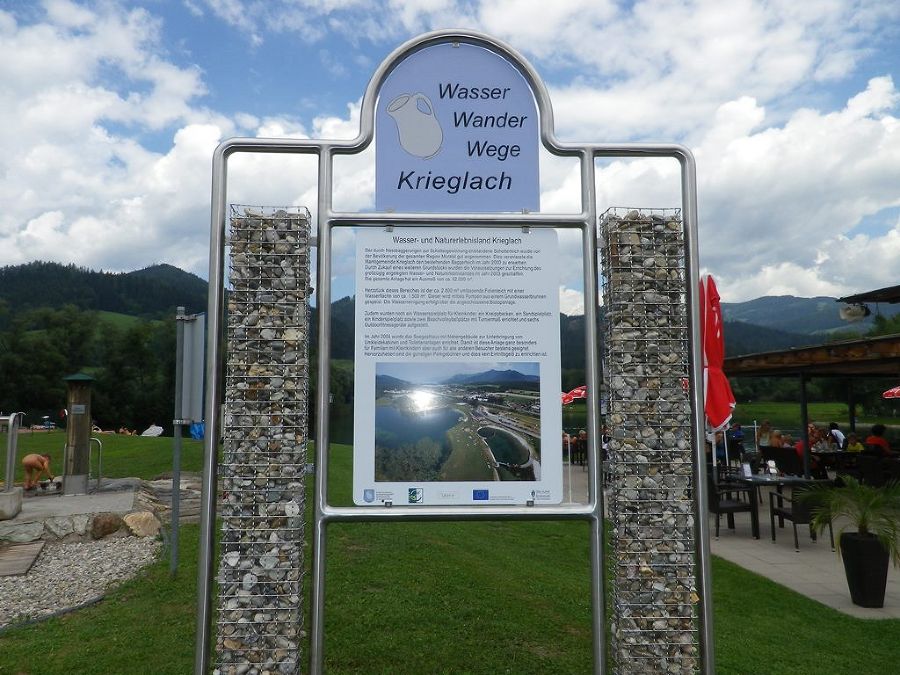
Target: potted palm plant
<point x="875" y="514"/>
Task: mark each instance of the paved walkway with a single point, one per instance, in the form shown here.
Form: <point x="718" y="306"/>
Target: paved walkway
<point x="816" y="571"/>
<point x="40" y="507"/>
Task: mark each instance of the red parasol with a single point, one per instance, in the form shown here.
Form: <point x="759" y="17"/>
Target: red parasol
<point x="577" y="392"/>
<point x="718" y="398"/>
<point x="892" y="393"/>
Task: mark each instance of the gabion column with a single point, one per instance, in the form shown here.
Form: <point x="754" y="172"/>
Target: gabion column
<point x="655" y="624"/>
<point x="260" y="616"/>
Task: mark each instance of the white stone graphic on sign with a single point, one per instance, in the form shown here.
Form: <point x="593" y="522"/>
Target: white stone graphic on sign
<point x="419" y="129"/>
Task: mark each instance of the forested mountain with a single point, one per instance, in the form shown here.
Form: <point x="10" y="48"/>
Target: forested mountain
<point x="153" y="292"/>
<point x="745" y="338"/>
<point x="507" y="376"/>
<point x="54" y="322"/>
<point x="809" y="316"/>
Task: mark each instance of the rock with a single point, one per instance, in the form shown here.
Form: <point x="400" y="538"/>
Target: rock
<point x="80" y="523"/>
<point x="20" y="532"/>
<point x="66" y="575"/>
<point x="650" y="456"/>
<point x="11" y="503"/>
<point x="105" y="524"/>
<point x="60" y="526"/>
<point x="142" y="523"/>
<point x="264" y="438"/>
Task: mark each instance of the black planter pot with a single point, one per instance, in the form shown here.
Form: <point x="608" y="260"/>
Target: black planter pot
<point x="866" y="566"/>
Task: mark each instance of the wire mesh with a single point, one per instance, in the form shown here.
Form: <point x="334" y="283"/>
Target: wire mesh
<point x="643" y="283"/>
<point x="260" y="616"/>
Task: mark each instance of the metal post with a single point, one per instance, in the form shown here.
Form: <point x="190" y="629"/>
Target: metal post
<point x="592" y="377"/>
<point x="211" y="436"/>
<point x="177" y="421"/>
<point x="99" y="443"/>
<point x="12" y="427"/>
<point x="323" y="257"/>
<point x="804" y="420"/>
<point x="692" y="261"/>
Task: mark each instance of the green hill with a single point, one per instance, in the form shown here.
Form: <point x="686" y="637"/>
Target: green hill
<point x="153" y="292"/>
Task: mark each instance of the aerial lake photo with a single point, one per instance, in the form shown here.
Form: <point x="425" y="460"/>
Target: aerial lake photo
<point x="459" y="422"/>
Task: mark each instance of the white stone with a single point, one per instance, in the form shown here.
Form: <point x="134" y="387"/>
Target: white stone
<point x="11" y="503"/>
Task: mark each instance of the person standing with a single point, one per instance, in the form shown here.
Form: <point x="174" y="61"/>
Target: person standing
<point x="763" y="434"/>
<point x="837" y="436"/>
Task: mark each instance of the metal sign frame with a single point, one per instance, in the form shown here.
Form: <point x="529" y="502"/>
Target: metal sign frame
<point x="327" y="219"/>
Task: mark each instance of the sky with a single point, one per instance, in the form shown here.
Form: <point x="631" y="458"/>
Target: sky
<point x="110" y="112"/>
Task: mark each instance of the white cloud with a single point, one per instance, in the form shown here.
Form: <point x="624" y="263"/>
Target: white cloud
<point x="773" y="199"/>
<point x="783" y="188"/>
<point x="571" y="301"/>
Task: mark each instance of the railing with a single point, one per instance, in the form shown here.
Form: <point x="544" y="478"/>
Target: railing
<point x="99" y="443"/>
<point x="12" y="427"/>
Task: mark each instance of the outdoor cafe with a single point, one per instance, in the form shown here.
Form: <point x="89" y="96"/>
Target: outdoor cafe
<point x="756" y="487"/>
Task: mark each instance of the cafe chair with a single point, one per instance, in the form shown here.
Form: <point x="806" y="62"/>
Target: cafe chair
<point x="795" y="510"/>
<point x="725" y="499"/>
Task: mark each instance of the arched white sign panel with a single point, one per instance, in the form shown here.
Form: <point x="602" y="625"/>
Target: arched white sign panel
<point x="456" y="131"/>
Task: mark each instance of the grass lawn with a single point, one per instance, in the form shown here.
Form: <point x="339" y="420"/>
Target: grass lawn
<point x="440" y="597"/>
<point x="574" y="416"/>
<point x="123" y="456"/>
<point x="466" y="461"/>
<point x="787" y="416"/>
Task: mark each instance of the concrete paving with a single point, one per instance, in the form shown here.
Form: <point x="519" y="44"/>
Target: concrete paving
<point x="41" y="507"/>
<point x="579" y="481"/>
<point x="816" y="571"/>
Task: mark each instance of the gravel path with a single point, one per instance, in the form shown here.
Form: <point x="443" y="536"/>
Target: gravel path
<point x="68" y="575"/>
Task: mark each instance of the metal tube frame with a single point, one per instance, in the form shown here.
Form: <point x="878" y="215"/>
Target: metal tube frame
<point x="327" y="219"/>
<point x="178" y="420"/>
<point x="12" y="443"/>
<point x="99" y="443"/>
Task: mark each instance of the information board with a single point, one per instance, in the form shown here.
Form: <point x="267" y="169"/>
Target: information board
<point x="456" y="130"/>
<point x="457" y="367"/>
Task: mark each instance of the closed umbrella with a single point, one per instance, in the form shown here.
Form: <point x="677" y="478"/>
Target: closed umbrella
<point x="718" y="400"/>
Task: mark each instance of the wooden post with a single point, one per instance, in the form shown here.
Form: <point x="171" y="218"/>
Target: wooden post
<point x="78" y="434"/>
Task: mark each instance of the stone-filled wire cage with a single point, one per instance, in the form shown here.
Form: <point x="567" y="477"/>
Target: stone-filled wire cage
<point x="259" y="622"/>
<point x="653" y="581"/>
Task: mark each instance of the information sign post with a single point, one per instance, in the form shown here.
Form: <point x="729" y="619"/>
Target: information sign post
<point x="455" y="280"/>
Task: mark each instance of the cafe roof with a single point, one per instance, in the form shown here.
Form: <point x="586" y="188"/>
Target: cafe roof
<point x="891" y="294"/>
<point x="868" y="357"/>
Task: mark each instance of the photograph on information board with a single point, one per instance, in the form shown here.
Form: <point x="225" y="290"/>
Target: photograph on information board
<point x="457" y="371"/>
<point x="457" y="422"/>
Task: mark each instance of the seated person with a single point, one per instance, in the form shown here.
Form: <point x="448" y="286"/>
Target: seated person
<point x="34" y="466"/>
<point x="720" y="447"/>
<point x="776" y="440"/>
<point x="853" y="444"/>
<point x="736" y="434"/>
<point x="876" y="443"/>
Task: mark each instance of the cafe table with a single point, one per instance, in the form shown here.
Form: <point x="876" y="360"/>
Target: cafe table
<point x="757" y="481"/>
